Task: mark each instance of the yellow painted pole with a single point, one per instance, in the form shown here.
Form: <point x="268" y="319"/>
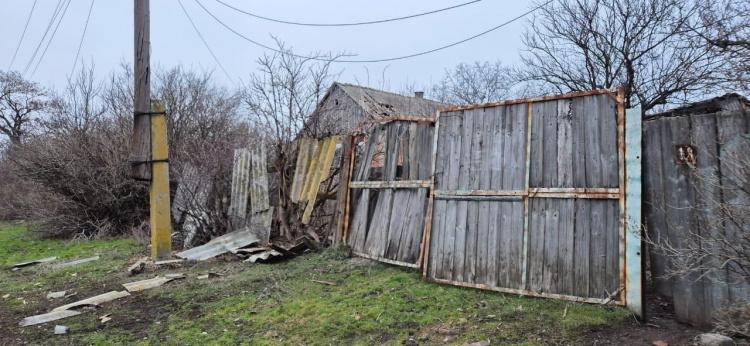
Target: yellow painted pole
<point x="161" y="229"/>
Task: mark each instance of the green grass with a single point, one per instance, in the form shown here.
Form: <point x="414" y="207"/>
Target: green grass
<point x="271" y="304"/>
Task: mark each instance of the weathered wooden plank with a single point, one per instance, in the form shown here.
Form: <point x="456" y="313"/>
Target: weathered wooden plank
<point x="612" y="241"/>
<point x="378" y="233"/>
<point x="471" y="256"/>
<point x="412" y="152"/>
<point x="372" y="145"/>
<point x="607" y="109"/>
<point x="566" y="247"/>
<point x="496" y="162"/>
<point x="582" y="246"/>
<point x="549" y="176"/>
<point x="455" y="221"/>
<point x="359" y="225"/>
<point x="411" y="237"/>
<point x="426" y="135"/>
<point x="537" y="164"/>
<point x="564" y="144"/>
<point x="708" y="196"/>
<point x="734" y="156"/>
<point x="442" y="171"/>
<point x="399" y="210"/>
<point x="551" y="274"/>
<point x="679" y="200"/>
<point x="392" y="148"/>
<point x="597" y="250"/>
<point x="578" y="141"/>
<point x="593" y="140"/>
<point x="654" y="205"/>
<point x="537" y="227"/>
<point x="437" y="236"/>
<point x="485" y="176"/>
<point x="342" y="194"/>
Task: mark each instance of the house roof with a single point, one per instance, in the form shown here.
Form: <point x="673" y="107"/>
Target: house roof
<point x="380" y="104"/>
<point x="727" y="102"/>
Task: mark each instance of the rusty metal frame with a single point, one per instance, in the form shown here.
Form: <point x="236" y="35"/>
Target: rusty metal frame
<point x="530" y="100"/>
<point x="400" y="184"/>
<point x="525" y="292"/>
<point x="618" y="193"/>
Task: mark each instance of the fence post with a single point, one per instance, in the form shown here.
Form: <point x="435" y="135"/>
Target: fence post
<point x="633" y="255"/>
<point x="161" y="230"/>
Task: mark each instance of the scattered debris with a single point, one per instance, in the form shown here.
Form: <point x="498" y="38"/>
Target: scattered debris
<point x="138" y="266"/>
<point x="217" y="246"/>
<point x="61" y="329"/>
<point x="263" y="256"/>
<point x="325" y="282"/>
<point x="273" y="251"/>
<point x="565" y="313"/>
<point x="652" y="325"/>
<point x="96" y="300"/>
<point x="31" y="263"/>
<point x="479" y="343"/>
<point x="714" y="339"/>
<point x="172" y="261"/>
<point x="105" y="318"/>
<point x="55" y="295"/>
<point x="248" y="251"/>
<point x="659" y="343"/>
<point x="150" y="283"/>
<point x="175" y="276"/>
<point x="48" y="317"/>
<point x="209" y="275"/>
<point x="70" y="264"/>
<point x="6" y="296"/>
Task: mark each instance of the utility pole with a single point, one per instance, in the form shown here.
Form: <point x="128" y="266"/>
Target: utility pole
<point x="150" y="160"/>
<point x="141" y="145"/>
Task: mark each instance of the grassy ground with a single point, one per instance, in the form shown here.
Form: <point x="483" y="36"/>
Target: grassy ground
<point x="270" y="304"/>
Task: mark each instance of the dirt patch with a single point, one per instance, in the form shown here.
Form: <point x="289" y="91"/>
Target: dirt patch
<point x="659" y="326"/>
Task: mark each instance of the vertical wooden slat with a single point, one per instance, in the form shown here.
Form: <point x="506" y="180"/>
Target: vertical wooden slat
<point x="581" y="251"/>
<point x="551" y="275"/>
<point x="455" y="221"/>
<point x="342" y="195"/>
<point x="537" y="220"/>
<point x="566" y="247"/>
<point x="564" y="144"/>
<point x="527" y="219"/>
<point x="473" y="216"/>
<point x="654" y="204"/>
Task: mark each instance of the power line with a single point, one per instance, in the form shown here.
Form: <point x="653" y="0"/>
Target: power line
<point x="41" y="57"/>
<point x="46" y="31"/>
<point x="204" y="40"/>
<point x="375" y="60"/>
<point x="22" y="35"/>
<point x="347" y="24"/>
<point x="80" y="44"/>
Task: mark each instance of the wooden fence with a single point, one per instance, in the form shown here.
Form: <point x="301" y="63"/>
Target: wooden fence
<point x="527" y="196"/>
<point x="690" y="176"/>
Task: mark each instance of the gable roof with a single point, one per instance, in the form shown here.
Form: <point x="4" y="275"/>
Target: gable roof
<point x="379" y="104"/>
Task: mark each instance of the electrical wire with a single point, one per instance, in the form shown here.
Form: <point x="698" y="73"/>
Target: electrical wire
<point x="46" y="31"/>
<point x="374" y="60"/>
<point x="204" y="40"/>
<point x="22" y="35"/>
<point x="41" y="57"/>
<point x="80" y="44"/>
<point x="347" y="24"/>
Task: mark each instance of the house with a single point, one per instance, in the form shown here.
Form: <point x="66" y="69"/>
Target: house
<point x="345" y="106"/>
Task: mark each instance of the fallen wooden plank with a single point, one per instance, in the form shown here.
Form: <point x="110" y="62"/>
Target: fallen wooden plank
<point x="96" y="300"/>
<point x="31" y="263"/>
<point x="70" y="264"/>
<point x="325" y="282"/>
<point x="48" y="317"/>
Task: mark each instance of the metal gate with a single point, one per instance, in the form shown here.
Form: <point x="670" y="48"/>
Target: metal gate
<point x="529" y="198"/>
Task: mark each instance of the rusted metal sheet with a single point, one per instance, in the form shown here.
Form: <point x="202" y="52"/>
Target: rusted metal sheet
<point x="320" y="172"/>
<point x="149" y="283"/>
<point x="96" y="300"/>
<point x="405" y="184"/>
<point x="70" y="264"/>
<point x="529" y="100"/>
<point x="48" y="317"/>
<point x="220" y="245"/>
<point x="30" y="263"/>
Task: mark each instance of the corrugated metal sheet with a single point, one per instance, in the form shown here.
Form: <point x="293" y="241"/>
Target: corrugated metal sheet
<point x="220" y="245"/>
<point x="96" y="300"/>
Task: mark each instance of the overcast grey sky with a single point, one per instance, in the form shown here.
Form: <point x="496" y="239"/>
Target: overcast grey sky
<point x="109" y="39"/>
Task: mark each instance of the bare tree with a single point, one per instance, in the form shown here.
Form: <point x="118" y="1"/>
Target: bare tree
<point x="725" y="25"/>
<point x="281" y="96"/>
<point x="646" y="46"/>
<point x="20" y="101"/>
<point x="479" y="82"/>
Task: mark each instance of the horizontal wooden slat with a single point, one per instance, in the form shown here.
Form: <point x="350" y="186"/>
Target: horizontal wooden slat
<point x="610" y="92"/>
<point x="594" y="193"/>
<point x="479" y="198"/>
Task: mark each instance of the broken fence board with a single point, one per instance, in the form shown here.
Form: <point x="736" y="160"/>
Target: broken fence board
<point x="48" y="317"/>
<point x="96" y="300"/>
